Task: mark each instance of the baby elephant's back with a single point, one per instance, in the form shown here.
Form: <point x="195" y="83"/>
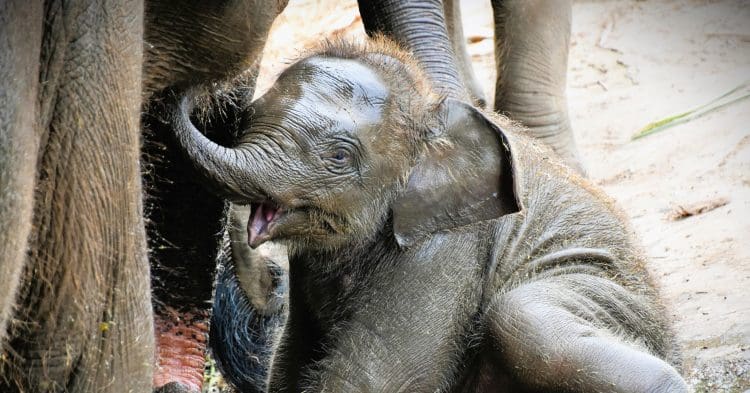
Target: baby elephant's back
<point x="570" y="236"/>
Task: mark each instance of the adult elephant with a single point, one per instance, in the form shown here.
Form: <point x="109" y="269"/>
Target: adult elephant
<point x="77" y="310"/>
<point x="76" y="301"/>
<point x="531" y="46"/>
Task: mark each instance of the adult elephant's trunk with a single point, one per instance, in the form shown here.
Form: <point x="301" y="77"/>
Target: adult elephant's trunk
<point x="229" y="172"/>
<point x="420" y="27"/>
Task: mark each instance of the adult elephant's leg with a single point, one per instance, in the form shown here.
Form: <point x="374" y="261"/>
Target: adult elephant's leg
<point x="531" y="53"/>
<point x="582" y="334"/>
<point x="421" y="28"/>
<point x="465" y="69"/>
<point x="84" y="311"/>
<point x="21" y="31"/>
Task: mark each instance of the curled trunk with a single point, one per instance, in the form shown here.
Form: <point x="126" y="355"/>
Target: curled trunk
<point x="227" y="171"/>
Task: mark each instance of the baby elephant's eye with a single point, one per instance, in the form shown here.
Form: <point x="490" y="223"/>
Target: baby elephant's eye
<point x="341" y="159"/>
<point x="341" y="155"/>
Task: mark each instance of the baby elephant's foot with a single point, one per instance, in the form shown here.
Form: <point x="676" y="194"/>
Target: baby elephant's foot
<point x="552" y="348"/>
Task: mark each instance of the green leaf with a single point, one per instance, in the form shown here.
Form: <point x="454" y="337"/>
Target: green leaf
<point x="711" y="106"/>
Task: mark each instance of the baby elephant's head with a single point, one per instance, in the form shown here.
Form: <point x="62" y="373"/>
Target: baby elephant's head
<point x="351" y="139"/>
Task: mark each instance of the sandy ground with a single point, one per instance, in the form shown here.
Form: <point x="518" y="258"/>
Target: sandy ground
<point x="632" y="63"/>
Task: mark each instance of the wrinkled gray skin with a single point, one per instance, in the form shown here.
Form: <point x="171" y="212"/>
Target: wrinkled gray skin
<point x="199" y="45"/>
<point x="76" y="305"/>
<point x="454" y="24"/>
<point x="531" y="50"/>
<point x="432" y="248"/>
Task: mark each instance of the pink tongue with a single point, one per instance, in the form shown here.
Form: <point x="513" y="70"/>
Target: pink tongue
<point x="261" y="218"/>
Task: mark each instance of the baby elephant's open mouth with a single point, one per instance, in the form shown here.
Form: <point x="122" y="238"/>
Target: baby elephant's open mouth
<point x="262" y="218"/>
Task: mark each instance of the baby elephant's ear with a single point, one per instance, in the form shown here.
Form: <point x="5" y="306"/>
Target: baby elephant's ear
<point x="466" y="175"/>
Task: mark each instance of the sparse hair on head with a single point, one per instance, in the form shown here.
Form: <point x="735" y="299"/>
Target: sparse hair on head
<point x="385" y="56"/>
<point x="412" y="95"/>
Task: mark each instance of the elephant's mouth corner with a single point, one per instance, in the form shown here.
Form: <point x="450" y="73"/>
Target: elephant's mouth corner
<point x="262" y="219"/>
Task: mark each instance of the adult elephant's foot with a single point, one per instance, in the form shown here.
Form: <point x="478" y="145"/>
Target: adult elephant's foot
<point x="174" y="387"/>
<point x="560" y="139"/>
<point x="531" y="52"/>
<point x="181" y="339"/>
<point x="546" y="120"/>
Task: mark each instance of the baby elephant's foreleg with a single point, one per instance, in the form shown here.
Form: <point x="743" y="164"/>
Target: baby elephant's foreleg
<point x="570" y="345"/>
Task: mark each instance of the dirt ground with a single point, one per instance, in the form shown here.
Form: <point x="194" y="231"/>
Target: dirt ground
<point x="631" y="63"/>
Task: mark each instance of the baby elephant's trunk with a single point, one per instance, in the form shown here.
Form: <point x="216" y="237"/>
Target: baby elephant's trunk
<point x="229" y="172"/>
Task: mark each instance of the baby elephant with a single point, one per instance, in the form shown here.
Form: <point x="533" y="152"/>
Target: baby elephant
<point x="432" y="247"/>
